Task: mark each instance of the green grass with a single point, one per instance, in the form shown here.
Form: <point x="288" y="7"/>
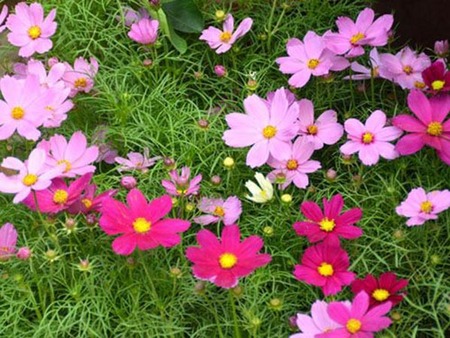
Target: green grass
<point x="158" y="107"/>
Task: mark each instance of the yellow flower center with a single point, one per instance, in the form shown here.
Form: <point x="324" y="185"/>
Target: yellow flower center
<point x="353" y="325"/>
<point x="408" y="70"/>
<point x="60" y="196"/>
<point x="34" y="32"/>
<point x="426" y="207"/>
<point x="67" y="163"/>
<point x="292" y="165"/>
<point x="435" y="129"/>
<point x="80" y="83"/>
<point x="374" y="72"/>
<point x="325" y="269"/>
<point x="419" y="85"/>
<point x="381" y="294"/>
<point x="87" y="203"/>
<point x="312" y="129"/>
<point x="367" y="138"/>
<point x="17" y="113"/>
<point x="269" y="132"/>
<point x="313" y="63"/>
<point x="29" y="180"/>
<point x="219" y="211"/>
<point x="356" y="38"/>
<point x="225" y="36"/>
<point x="327" y="224"/>
<point x="181" y="191"/>
<point x="438" y="84"/>
<point x="227" y="260"/>
<point x="141" y="225"/>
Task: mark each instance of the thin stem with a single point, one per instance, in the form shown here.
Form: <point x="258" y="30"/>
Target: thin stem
<point x="269" y="24"/>
<point x="216" y="316"/>
<point x="237" y="331"/>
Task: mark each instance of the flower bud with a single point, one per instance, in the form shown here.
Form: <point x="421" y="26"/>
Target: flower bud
<point x="70" y="225"/>
<point x="228" y="162"/>
<point x="220" y="15"/>
<point x="51" y="255"/>
<point x="237" y="291"/>
<point x="395" y="315"/>
<point x="198" y="75"/>
<point x="52" y="61"/>
<point x="216" y="180"/>
<point x="200" y="287"/>
<point x="24" y="253"/>
<point x="203" y="123"/>
<point x="174" y="201"/>
<point x="169" y="163"/>
<point x="399" y="234"/>
<point x="436" y="259"/>
<point x="286" y="198"/>
<point x="255" y="322"/>
<point x="175" y="272"/>
<point x="147" y="62"/>
<point x="268" y="231"/>
<point x="252" y="85"/>
<point x="275" y="304"/>
<point x="84" y="265"/>
<point x="220" y="70"/>
<point x="91" y="219"/>
<point x="189" y="207"/>
<point x="347" y="159"/>
<point x="128" y="182"/>
<point x="441" y="48"/>
<point x="293" y="323"/>
<point x="331" y="175"/>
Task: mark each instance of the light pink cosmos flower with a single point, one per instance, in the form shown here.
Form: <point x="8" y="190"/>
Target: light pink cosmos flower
<point x="268" y="130"/>
<point x="294" y="167"/>
<point x="371" y="140"/>
<point x="58" y="105"/>
<point x="145" y="31"/>
<point x="136" y="161"/>
<point x="181" y="185"/>
<point x="29" y="30"/>
<point x="353" y="36"/>
<point x="32" y="176"/>
<point x="22" y="108"/>
<point x="222" y="41"/>
<point x="374" y="71"/>
<point x="8" y="241"/>
<point x="131" y="16"/>
<point x="80" y="77"/>
<point x="48" y="80"/>
<point x="310" y="57"/>
<point x="227" y="211"/>
<point x="3" y="15"/>
<point x="421" y="206"/>
<point x="75" y="156"/>
<point x="440" y="48"/>
<point x="405" y="68"/>
<point x="325" y="130"/>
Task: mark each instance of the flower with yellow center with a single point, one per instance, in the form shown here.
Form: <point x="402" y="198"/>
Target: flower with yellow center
<point x="356" y="38"/>
<point x="426" y="207"/>
<point x="219" y="211"/>
<point x="80" y="83"/>
<point x="141" y="225"/>
<point x="327" y="224"/>
<point x="225" y="36"/>
<point x="29" y="180"/>
<point x="181" y="191"/>
<point x="17" y="113"/>
<point x="66" y="163"/>
<point x="353" y="325"/>
<point x="437" y="85"/>
<point x="227" y="260"/>
<point x="292" y="164"/>
<point x="408" y="70"/>
<point x="419" y="85"/>
<point x="381" y="294"/>
<point x="34" y="32"/>
<point x="325" y="269"/>
<point x="312" y="129"/>
<point x="374" y="72"/>
<point x="313" y="63"/>
<point x="367" y="138"/>
<point x="269" y="132"/>
<point x="87" y="203"/>
<point x="435" y="129"/>
<point x="60" y="196"/>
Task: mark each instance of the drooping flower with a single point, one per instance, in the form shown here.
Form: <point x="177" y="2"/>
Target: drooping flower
<point x="144" y="31"/>
<point x="440" y="48"/>
<point x="421" y="206"/>
<point x="268" y="130"/>
<point x="181" y="185"/>
<point x="227" y="211"/>
<point x="374" y="71"/>
<point x="140" y="223"/>
<point x="385" y="288"/>
<point x="89" y="202"/>
<point x="136" y="161"/>
<point x="80" y="77"/>
<point x="372" y="139"/>
<point x="3" y="15"/>
<point x="330" y="224"/>
<point x="353" y="36"/>
<point x="224" y="262"/>
<point x="324" y="130"/>
<point x="223" y="40"/>
<point x="429" y="128"/>
<point x="30" y="30"/>
<point x="261" y="193"/>
<point x="437" y="77"/>
<point x="307" y="58"/>
<point x="8" y="240"/>
<point x="325" y="266"/>
<point x="295" y="167"/>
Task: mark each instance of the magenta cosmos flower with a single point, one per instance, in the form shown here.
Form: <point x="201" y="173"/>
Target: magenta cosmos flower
<point x="427" y="128"/>
<point x="440" y="48"/>
<point x="268" y="129"/>
<point x="30" y="30"/>
<point x="353" y="36"/>
<point x="227" y="211"/>
<point x="80" y="77"/>
<point x="330" y="224"/>
<point x="437" y="77"/>
<point x="324" y="130"/>
<point x="145" y="31"/>
<point x="8" y="240"/>
<point x="224" y="262"/>
<point x="3" y="15"/>
<point x="136" y="161"/>
<point x="140" y="223"/>
<point x="310" y="57"/>
<point x="421" y="206"/>
<point x="223" y="40"/>
<point x="325" y="266"/>
<point x="295" y="166"/>
<point x="75" y="155"/>
<point x="372" y="139"/>
<point x="182" y="185"/>
<point x="89" y="201"/>
<point x="357" y="320"/>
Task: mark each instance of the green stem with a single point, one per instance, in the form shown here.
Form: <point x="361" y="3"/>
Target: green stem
<point x="269" y="25"/>
<point x="216" y="316"/>
<point x="237" y="331"/>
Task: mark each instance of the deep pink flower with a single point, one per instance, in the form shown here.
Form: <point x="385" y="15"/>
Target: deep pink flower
<point x="268" y="130"/>
<point x="429" y="128"/>
<point x="182" y="185"/>
<point x="224" y="262"/>
<point x="227" y="211"/>
<point x="222" y="41"/>
<point x="89" y="202"/>
<point x="29" y="30"/>
<point x="330" y="224"/>
<point x="437" y="77"/>
<point x="325" y="266"/>
<point x="372" y="139"/>
<point x="374" y="71"/>
<point x="324" y="130"/>
<point x="220" y="70"/>
<point x="137" y="161"/>
<point x="8" y="240"/>
<point x="421" y="206"/>
<point x="3" y="15"/>
<point x="144" y="31"/>
<point x="80" y="77"/>
<point x="141" y="223"/>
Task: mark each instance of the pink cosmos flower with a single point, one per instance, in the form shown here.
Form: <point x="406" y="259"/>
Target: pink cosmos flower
<point x="372" y="139"/>
<point x="318" y="322"/>
<point x="136" y="161"/>
<point x="405" y="68"/>
<point x="310" y="57"/>
<point x="222" y="41"/>
<point x="427" y="128"/>
<point x="325" y="266"/>
<point x="440" y="48"/>
<point x="48" y="80"/>
<point x="145" y="31"/>
<point x="75" y="155"/>
<point x="268" y="130"/>
<point x="437" y="77"/>
<point x="290" y="96"/>
<point x="224" y="262"/>
<point x="421" y="206"/>
<point x="140" y="223"/>
<point x="353" y="36"/>
<point x="131" y="16"/>
<point x="33" y="175"/>
<point x="181" y="185"/>
<point x="80" y="78"/>
<point x="8" y="240"/>
<point x="325" y="130"/>
<point x="227" y="211"/>
<point x="376" y="68"/>
<point x="357" y="320"/>
<point x="330" y="224"/>
<point x="294" y="167"/>
<point x="22" y="108"/>
<point x="89" y="202"/>
<point x="58" y="105"/>
<point x="59" y="196"/>
<point x="29" y="30"/>
<point x="3" y="15"/>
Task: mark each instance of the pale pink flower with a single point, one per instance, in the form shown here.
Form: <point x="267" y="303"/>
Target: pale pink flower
<point x="80" y="77"/>
<point x="50" y="80"/>
<point x="223" y="40"/>
<point x="136" y="161"/>
<point x="144" y="31"/>
<point x="374" y="71"/>
<point x="227" y="211"/>
<point x="57" y="107"/>
<point x="3" y="15"/>
<point x="440" y="48"/>
<point x="182" y="185"/>
<point x="131" y="16"/>
<point x="8" y="240"/>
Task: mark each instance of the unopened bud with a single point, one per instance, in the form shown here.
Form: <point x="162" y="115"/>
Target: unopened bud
<point x="228" y="162"/>
<point x="216" y="180"/>
<point x="220" y="70"/>
<point x="203" y="123"/>
<point x="286" y="198"/>
<point x="24" y="253"/>
<point x="128" y="182"/>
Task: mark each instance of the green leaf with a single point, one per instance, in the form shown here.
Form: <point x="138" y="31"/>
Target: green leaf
<point x="178" y="42"/>
<point x="184" y="16"/>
